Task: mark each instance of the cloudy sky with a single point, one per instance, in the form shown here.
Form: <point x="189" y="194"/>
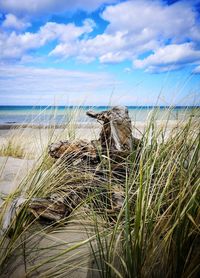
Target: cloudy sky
<point x="96" y="52"/>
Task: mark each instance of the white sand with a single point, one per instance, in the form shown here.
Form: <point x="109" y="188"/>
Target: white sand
<point x="35" y="140"/>
<point x="13" y="170"/>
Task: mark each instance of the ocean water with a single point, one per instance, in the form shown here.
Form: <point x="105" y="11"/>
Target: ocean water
<point x="60" y="115"/>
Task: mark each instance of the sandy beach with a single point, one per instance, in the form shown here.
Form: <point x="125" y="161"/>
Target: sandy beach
<point x="12" y="172"/>
<point x="34" y="141"/>
<point x="36" y="240"/>
<point x="34" y="138"/>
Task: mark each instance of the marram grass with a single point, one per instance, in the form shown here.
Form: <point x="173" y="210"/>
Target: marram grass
<point x="158" y="225"/>
<point x="156" y="233"/>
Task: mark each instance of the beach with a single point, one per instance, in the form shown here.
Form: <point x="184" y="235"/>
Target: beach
<point x="13" y="172"/>
<point x="35" y="138"/>
<point x="24" y="162"/>
<point x="36" y="127"/>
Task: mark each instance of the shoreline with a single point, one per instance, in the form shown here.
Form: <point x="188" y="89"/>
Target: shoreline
<point x="33" y="139"/>
<point x="46" y="126"/>
<point x="7" y="126"/>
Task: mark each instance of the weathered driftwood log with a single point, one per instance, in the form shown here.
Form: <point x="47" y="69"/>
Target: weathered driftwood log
<point x="56" y="207"/>
<point x="116" y="133"/>
<point x="76" y="151"/>
<point x="48" y="209"/>
<point x="53" y="208"/>
<point x="115" y="142"/>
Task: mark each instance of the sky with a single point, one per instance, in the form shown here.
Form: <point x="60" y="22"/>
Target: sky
<point x="99" y="52"/>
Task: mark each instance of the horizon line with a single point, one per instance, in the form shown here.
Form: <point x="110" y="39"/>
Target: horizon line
<point x="131" y="106"/>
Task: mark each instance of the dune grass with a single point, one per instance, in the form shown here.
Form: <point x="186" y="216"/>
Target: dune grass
<point x="156" y="232"/>
<point x="13" y="147"/>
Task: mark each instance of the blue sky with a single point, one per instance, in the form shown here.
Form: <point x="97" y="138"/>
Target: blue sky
<point x="99" y="52"/>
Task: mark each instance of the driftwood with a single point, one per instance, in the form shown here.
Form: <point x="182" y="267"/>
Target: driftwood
<point x="74" y="150"/>
<point x="115" y="141"/>
<point x="115" y="144"/>
<point x="116" y="133"/>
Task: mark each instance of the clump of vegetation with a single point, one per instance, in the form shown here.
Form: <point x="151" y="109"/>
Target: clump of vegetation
<point x="156" y="231"/>
<point x="13" y="148"/>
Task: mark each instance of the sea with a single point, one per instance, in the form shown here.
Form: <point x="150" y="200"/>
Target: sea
<point x="45" y="115"/>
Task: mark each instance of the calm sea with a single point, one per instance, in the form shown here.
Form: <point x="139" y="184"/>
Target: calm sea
<point x="61" y="114"/>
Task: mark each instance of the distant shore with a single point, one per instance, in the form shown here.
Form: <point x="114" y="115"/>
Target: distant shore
<point x="44" y="126"/>
<point x="33" y="136"/>
<point x="89" y="125"/>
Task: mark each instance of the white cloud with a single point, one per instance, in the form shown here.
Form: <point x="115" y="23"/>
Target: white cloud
<point x="97" y="47"/>
<point x="40" y="7"/>
<point x="145" y="20"/>
<point x="197" y="70"/>
<point x="112" y="57"/>
<point x="14" y="46"/>
<point x="12" y="22"/>
<point x="127" y="70"/>
<point x="24" y="85"/>
<point x="64" y="32"/>
<point x="138" y="27"/>
<point x="169" y="57"/>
